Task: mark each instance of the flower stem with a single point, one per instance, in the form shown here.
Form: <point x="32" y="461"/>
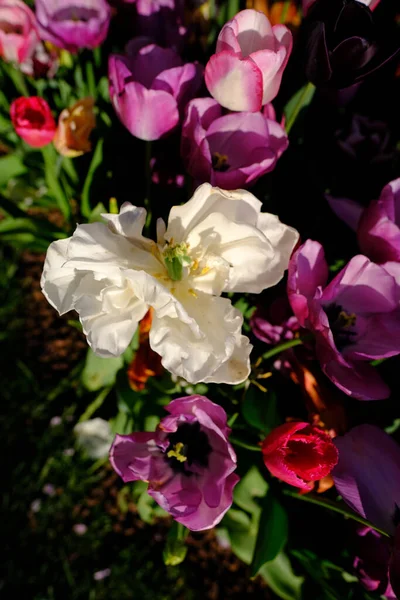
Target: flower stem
<point x="285" y="11"/>
<point x="282" y="348"/>
<point x="335" y="507"/>
<point x="305" y="98"/>
<point x="241" y="444"/>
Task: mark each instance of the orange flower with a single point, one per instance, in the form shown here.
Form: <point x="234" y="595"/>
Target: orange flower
<point x="75" y="124"/>
<point x="278" y="12"/>
<point x="146" y="362"/>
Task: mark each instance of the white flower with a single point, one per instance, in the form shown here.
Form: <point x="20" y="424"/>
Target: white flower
<point x="94" y="436"/>
<point x="217" y="242"/>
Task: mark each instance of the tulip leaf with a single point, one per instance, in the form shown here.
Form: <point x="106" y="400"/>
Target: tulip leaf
<point x="272" y="533"/>
<point x="250" y="487"/>
<point x="100" y="372"/>
<point x="87" y="186"/>
<point x="175" y="549"/>
<point x="280" y="577"/>
<point x="260" y="409"/>
<point x="300" y="100"/>
<point x="11" y="166"/>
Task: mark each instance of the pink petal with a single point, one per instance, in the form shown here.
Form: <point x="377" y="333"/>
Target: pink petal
<point x="147" y="114"/>
<point x="349" y="211"/>
<point x="236" y="84"/>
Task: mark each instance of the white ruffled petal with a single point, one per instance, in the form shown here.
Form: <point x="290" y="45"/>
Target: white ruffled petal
<point x="210" y="337"/>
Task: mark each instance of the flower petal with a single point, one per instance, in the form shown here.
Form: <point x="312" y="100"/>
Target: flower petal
<point x="235" y="83"/>
<point x="368" y="474"/>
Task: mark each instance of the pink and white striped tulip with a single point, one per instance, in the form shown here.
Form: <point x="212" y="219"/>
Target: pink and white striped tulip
<point x="246" y="71"/>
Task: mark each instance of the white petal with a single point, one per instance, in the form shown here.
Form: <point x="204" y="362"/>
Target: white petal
<point x="229" y="225"/>
<point x="129" y="223"/>
<point x="283" y="240"/>
<point x="237" y="205"/>
<point x="209" y="338"/>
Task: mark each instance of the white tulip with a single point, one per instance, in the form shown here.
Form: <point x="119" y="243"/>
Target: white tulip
<point x="217" y="242"/>
<point x="94" y="436"/>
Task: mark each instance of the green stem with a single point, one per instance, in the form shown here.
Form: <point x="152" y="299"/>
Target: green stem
<point x="241" y="444"/>
<point x="50" y="159"/>
<point x="285" y="11"/>
<point x="304" y="99"/>
<point x="335" y="507"/>
<point x="282" y="348"/>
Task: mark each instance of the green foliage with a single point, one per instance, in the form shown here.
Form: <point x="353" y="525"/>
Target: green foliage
<point x="100" y="372"/>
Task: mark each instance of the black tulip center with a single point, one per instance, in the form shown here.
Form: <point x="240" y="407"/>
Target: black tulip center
<point x="342" y="325"/>
<point x="188" y="445"/>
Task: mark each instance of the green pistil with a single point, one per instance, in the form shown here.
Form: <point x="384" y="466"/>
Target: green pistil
<point x="175" y="258"/>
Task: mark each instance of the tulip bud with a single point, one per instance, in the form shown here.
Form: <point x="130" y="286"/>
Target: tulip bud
<point x="33" y="121"/>
<point x="75" y="125"/>
<point x="299" y="454"/>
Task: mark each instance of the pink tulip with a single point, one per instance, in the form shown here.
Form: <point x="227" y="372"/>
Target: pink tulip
<point x="231" y="150"/>
<point x="33" y="121"/>
<point x="246" y="71"/>
<point x="18" y="31"/>
<point x="149" y="88"/>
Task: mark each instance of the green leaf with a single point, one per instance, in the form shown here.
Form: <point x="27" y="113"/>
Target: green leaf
<point x="175" y="549"/>
<point x="280" y="577"/>
<point x="242" y="533"/>
<point x="272" y="533"/>
<point x="260" y="409"/>
<point x="11" y="166"/>
<point x="50" y="158"/>
<point x="300" y="100"/>
<point x="96" y="213"/>
<point x="86" y="192"/>
<point x="100" y="372"/>
<point x="251" y="486"/>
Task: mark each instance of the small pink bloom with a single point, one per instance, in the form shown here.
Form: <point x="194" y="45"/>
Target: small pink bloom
<point x="299" y="454"/>
<point x="80" y="528"/>
<point x="246" y="71"/>
<point x="73" y="24"/>
<point x="33" y="120"/>
<point x="149" y="88"/>
<point x="275" y="323"/>
<point x="354" y="319"/>
<point x="231" y="150"/>
<point x="188" y="462"/>
<point x="100" y="575"/>
<point x="19" y="34"/>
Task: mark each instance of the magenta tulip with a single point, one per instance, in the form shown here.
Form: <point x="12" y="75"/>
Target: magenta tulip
<point x="231" y="150"/>
<point x="355" y="318"/>
<point x="188" y="462"/>
<point x="73" y="24"/>
<point x="245" y="72"/>
<point x="149" y="88"/>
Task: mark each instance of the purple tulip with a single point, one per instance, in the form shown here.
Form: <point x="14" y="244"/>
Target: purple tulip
<point x="187" y="461"/>
<point x="379" y="227"/>
<point x="162" y="20"/>
<point x="367" y="476"/>
<point x="355" y="318"/>
<point x="73" y="24"/>
<point x="231" y="150"/>
<point x="149" y="88"/>
<point x="372" y="562"/>
<point x="274" y="324"/>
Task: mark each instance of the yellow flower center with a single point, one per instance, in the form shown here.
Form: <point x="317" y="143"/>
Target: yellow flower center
<point x="176" y="452"/>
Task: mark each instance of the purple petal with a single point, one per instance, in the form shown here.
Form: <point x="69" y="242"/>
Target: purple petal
<point x="349" y="211"/>
<point x="131" y="455"/>
<point x="368" y="474"/>
<point x="307" y="272"/>
<point x="362" y="287"/>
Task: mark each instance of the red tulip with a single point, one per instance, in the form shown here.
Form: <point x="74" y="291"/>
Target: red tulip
<point x="33" y="121"/>
<point x="299" y="454"/>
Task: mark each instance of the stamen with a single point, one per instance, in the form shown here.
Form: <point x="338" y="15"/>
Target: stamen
<point x="176" y="452"/>
<point x="220" y="162"/>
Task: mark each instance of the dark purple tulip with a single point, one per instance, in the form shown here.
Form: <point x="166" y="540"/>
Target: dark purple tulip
<point x="344" y="43"/>
<point x="372" y="562"/>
